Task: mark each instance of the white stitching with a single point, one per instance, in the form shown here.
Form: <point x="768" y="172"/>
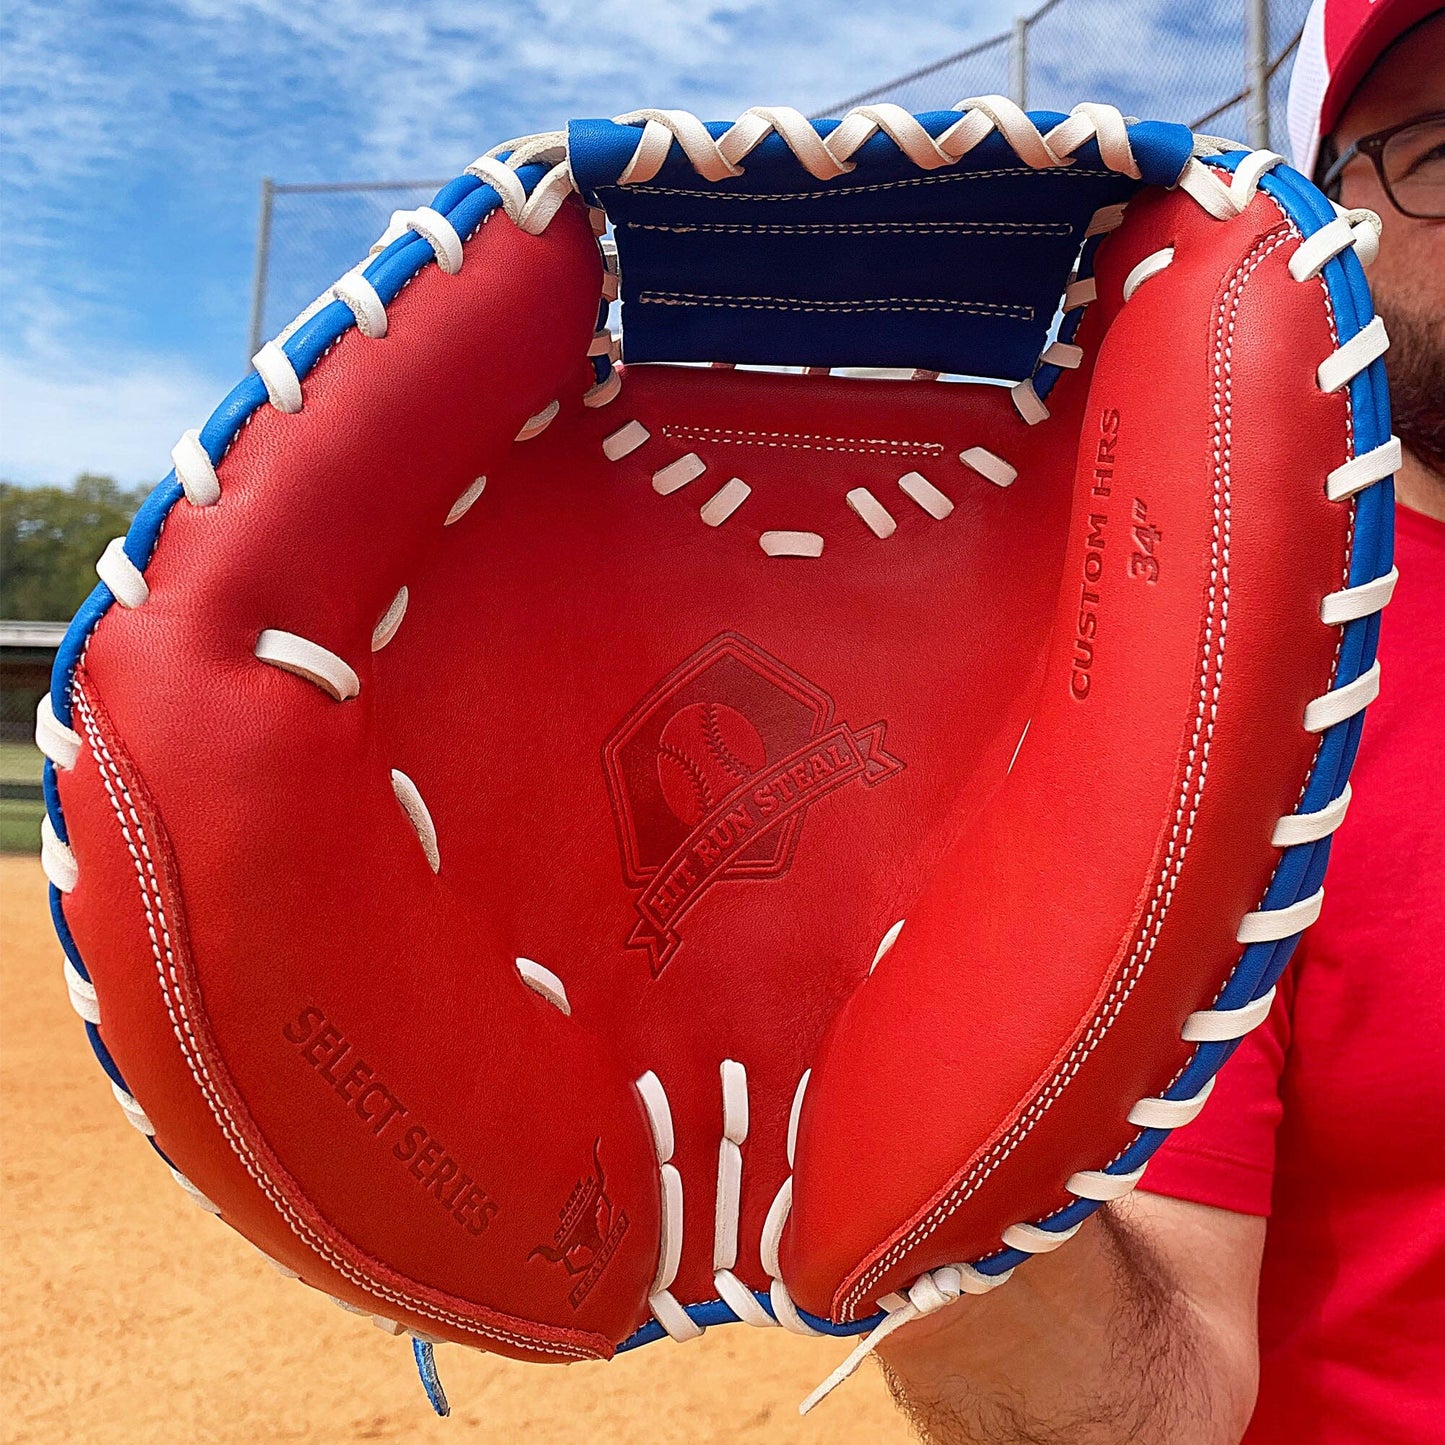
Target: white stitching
<point x="804" y="441"/>
<point x="832" y="308"/>
<point x="858" y="228"/>
<point x="837" y="190"/>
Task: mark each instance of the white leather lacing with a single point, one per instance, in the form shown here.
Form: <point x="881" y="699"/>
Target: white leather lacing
<point x="1297" y="828"/>
<point x="59" y="743"/>
<point x="276" y="369"/>
<point x="875" y="516"/>
<point x="831" y="157"/>
<point x="1151" y="265"/>
<point x="1217" y="1026"/>
<point x="463" y="503"/>
<point x="1351" y="229"/>
<point x="390" y="621"/>
<point x="675" y="475"/>
<point x="82" y="994"/>
<point x="734" y="1080"/>
<point x="195" y="471"/>
<point x="1160" y="1113"/>
<point x="791" y="544"/>
<point x="1351" y="603"/>
<point x="1102" y="1186"/>
<point x="929" y="1292"/>
<point x="1346" y="362"/>
<point x="721" y="505"/>
<point x="1342" y="703"/>
<point x="724" y="502"/>
<point x="1063" y="354"/>
<point x="1269" y="925"/>
<point x="56" y="858"/>
<point x="385" y="1325"/>
<point x="540" y="979"/>
<point x="528" y="213"/>
<point x="307" y="659"/>
<point x="416" y="810"/>
<point x="438" y="233"/>
<point x="1356" y="228"/>
<point x="986" y="464"/>
<point x="195" y="1194"/>
<point x="121" y="575"/>
<point x="356" y="293"/>
<point x="535" y="425"/>
<point x="917" y="487"/>
<point x="624" y="441"/>
<point x="134" y="1114"/>
<point x="660" y="1300"/>
<point x="1028" y="403"/>
<point x="1033" y="1240"/>
<point x="1363" y="471"/>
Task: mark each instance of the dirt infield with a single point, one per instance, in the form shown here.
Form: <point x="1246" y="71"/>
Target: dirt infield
<point x="127" y="1315"/>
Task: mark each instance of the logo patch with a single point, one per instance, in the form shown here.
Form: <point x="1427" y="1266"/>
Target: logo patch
<point x="589" y="1229"/>
<point x="711" y="775"/>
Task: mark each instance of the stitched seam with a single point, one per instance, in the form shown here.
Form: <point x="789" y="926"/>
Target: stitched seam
<point x="724" y="754"/>
<point x="1205" y="714"/>
<point x="804" y="441"/>
<point x="1334" y="664"/>
<point x="163" y="952"/>
<point x="859" y="228"/>
<point x="836" y="307"/>
<point x="647" y="189"/>
<point x="704" y="793"/>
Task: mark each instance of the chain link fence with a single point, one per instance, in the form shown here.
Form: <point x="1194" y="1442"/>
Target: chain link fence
<point x="309" y="235"/>
<point x="1220" y="66"/>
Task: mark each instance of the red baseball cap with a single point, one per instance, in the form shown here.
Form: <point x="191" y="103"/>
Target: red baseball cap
<point x="1342" y="39"/>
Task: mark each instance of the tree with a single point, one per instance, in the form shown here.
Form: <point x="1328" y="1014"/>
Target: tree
<point x="50" y="538"/>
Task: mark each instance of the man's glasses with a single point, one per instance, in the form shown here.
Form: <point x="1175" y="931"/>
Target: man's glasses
<point x="1410" y="162"/>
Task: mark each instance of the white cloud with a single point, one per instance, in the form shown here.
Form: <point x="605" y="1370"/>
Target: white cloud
<point x="134" y="137"/>
<point x="120" y="417"/>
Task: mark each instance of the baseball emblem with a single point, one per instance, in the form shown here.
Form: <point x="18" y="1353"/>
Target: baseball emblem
<point x="705" y="751"/>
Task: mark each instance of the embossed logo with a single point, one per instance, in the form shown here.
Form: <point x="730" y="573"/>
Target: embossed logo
<point x="712" y="773"/>
<point x="589" y="1229"/>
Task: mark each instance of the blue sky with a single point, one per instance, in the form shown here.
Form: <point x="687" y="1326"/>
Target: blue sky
<point x="133" y="134"/>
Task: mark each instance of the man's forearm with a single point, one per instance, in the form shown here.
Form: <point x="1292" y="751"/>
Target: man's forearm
<point x="1104" y="1341"/>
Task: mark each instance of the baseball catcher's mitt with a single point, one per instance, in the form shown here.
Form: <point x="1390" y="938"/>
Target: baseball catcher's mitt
<point x="557" y="853"/>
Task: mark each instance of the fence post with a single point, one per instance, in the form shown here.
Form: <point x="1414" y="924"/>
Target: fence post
<point x="263" y="266"/>
<point x="1019" y="63"/>
<point x="1256" y="72"/>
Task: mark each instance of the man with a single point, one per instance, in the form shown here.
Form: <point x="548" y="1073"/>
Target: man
<point x="1280" y="1276"/>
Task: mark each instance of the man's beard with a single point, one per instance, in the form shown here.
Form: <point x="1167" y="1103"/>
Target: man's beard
<point x="1415" y="364"/>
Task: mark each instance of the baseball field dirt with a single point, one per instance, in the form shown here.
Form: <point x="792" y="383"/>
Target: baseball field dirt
<point x="129" y="1317"/>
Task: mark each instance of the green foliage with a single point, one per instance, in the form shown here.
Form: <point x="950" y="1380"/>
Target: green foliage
<point x="49" y="540"/>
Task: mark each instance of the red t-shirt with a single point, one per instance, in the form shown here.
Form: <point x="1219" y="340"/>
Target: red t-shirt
<point x="1330" y="1117"/>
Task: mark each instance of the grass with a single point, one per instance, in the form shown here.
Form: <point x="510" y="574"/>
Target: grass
<point x="20" y="762"/>
<point x="20" y="825"/>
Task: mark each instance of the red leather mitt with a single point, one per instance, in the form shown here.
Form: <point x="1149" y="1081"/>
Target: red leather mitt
<point x="556" y="853"/>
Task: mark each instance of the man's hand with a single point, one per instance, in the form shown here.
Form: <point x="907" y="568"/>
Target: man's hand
<point x="1142" y="1329"/>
